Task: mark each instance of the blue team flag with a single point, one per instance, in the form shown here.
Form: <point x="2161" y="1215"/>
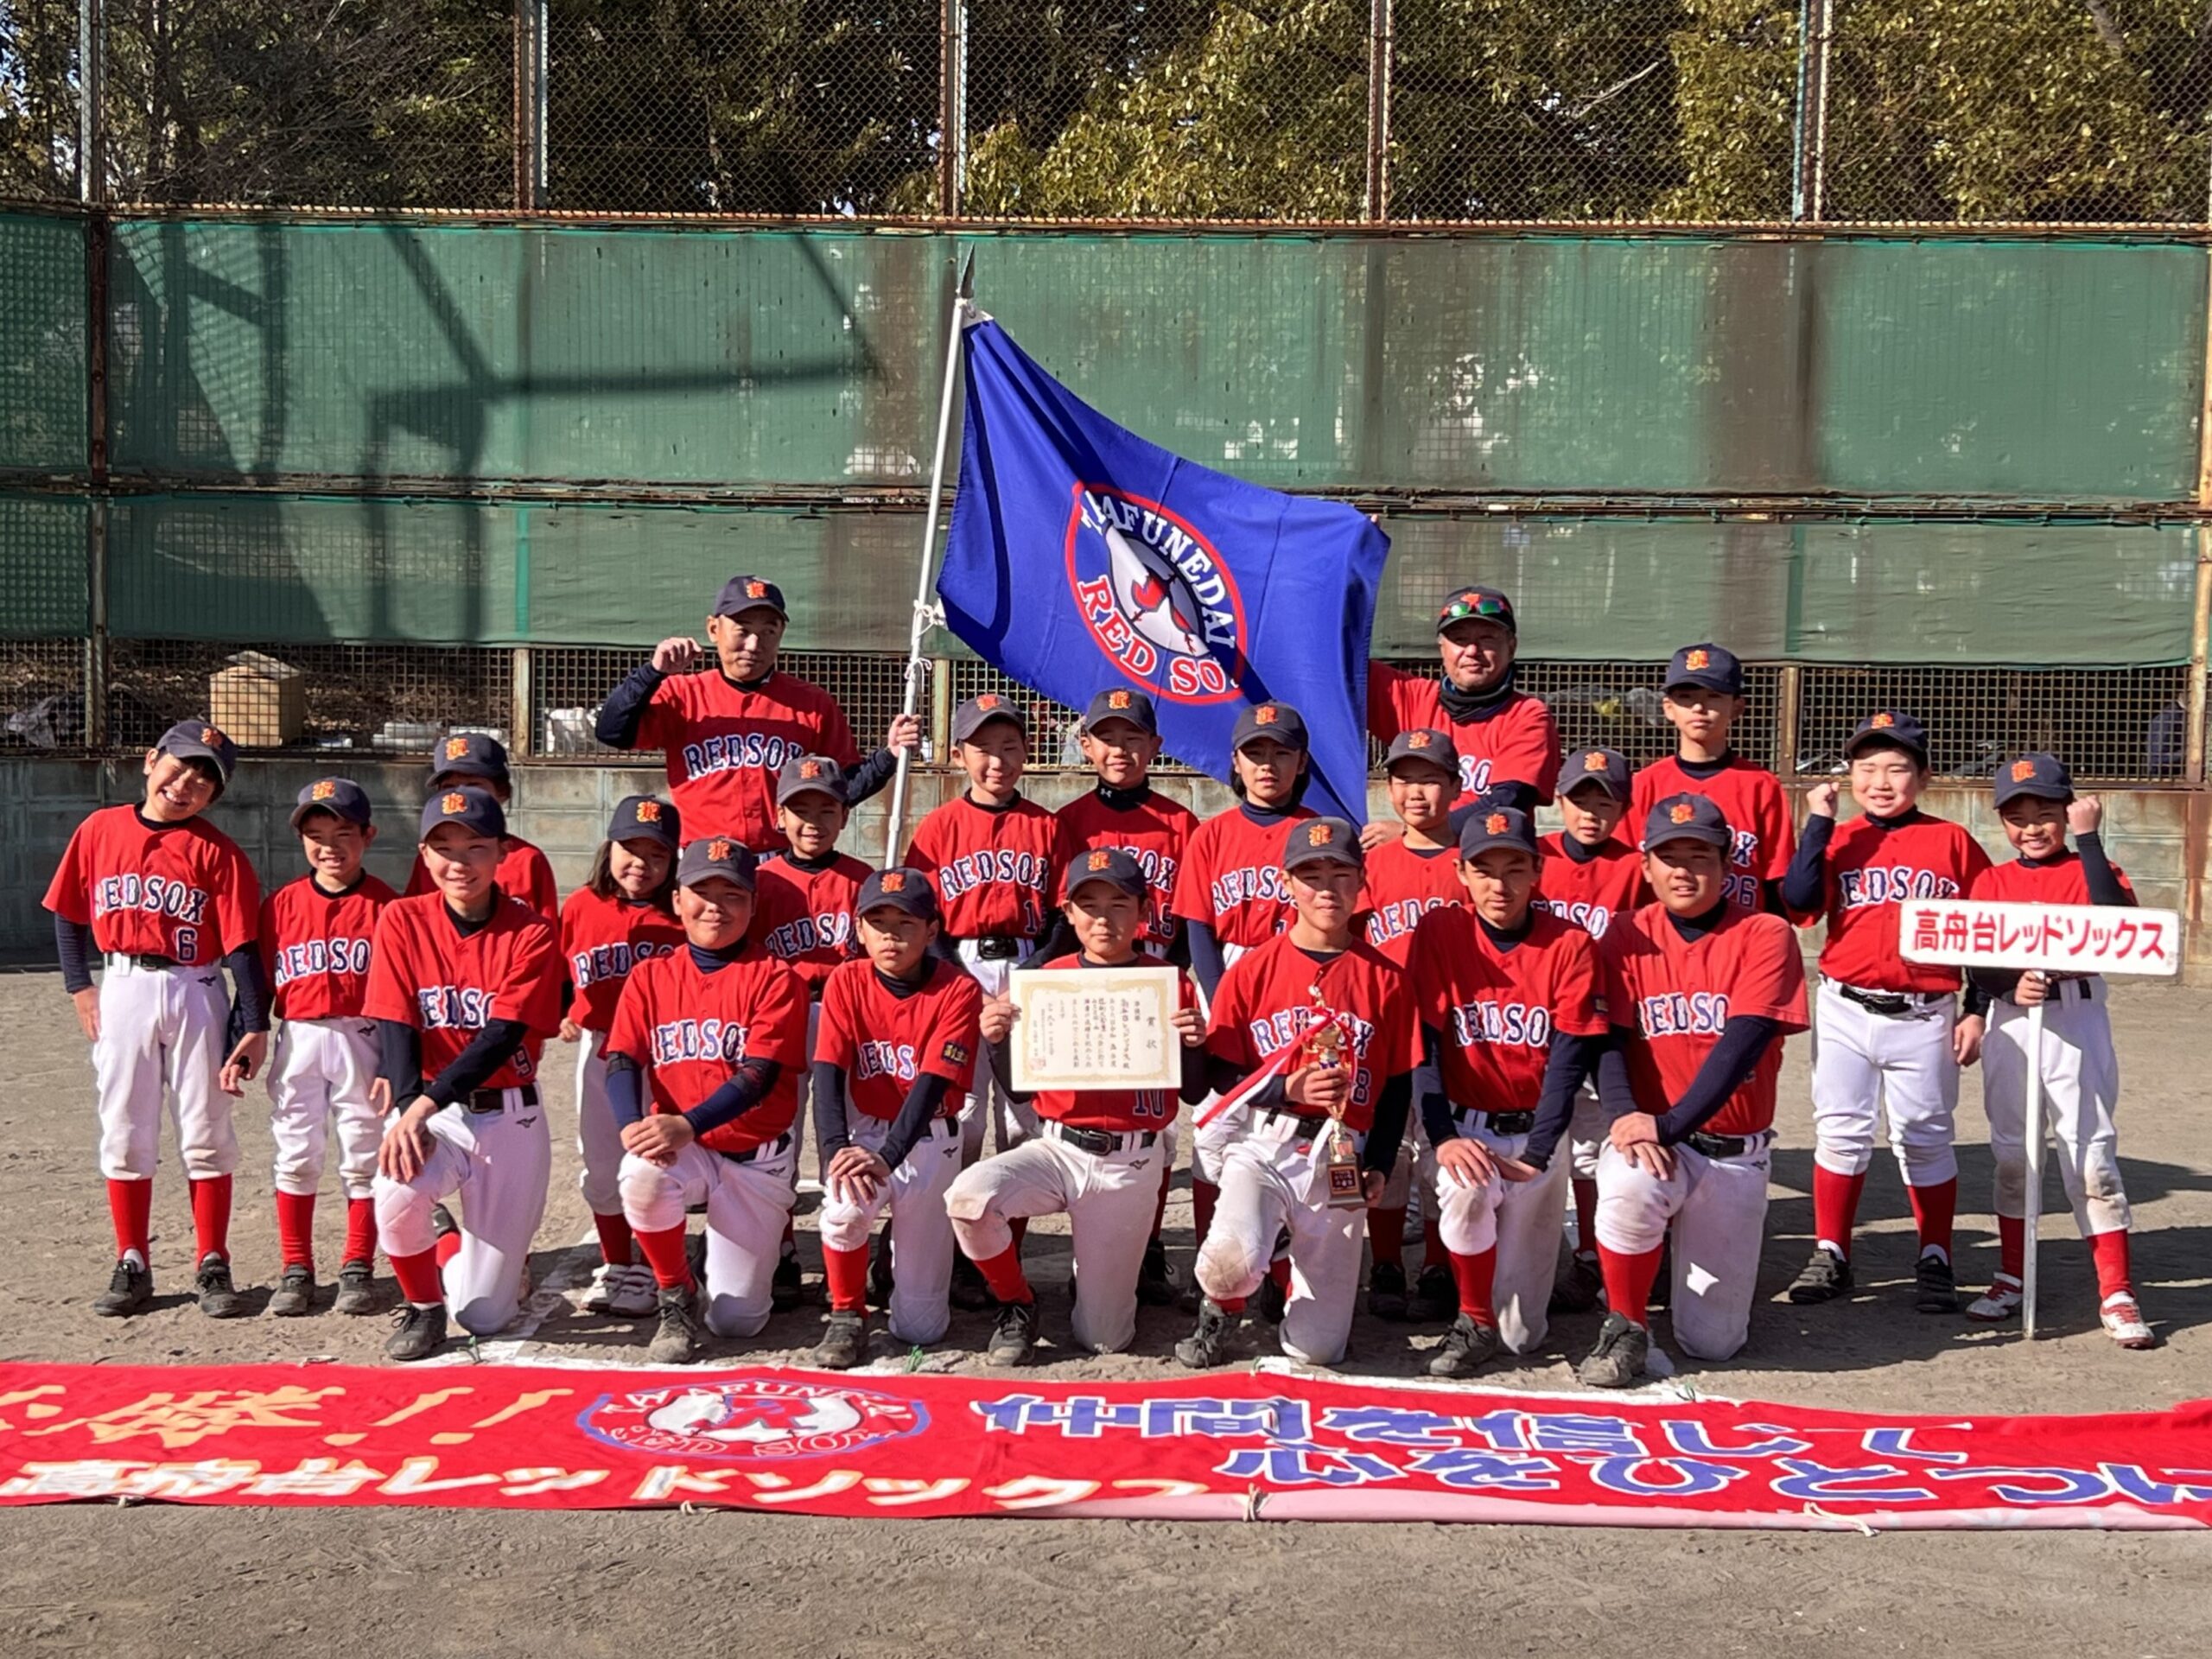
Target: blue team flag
<point x="1082" y="558"/>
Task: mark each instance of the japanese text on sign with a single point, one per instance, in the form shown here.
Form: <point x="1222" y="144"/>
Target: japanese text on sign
<point x="2064" y="938"/>
<point x="1096" y="1028"/>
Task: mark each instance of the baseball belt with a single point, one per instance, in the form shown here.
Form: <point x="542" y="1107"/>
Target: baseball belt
<point x="486" y="1101"/>
<point x="1501" y="1124"/>
<point x="145" y="959"/>
<point x="997" y="947"/>
<point x="765" y="1149"/>
<point x="1100" y="1143"/>
<point x="1892" y="1005"/>
<point x="1720" y="1145"/>
<point x="1307" y="1124"/>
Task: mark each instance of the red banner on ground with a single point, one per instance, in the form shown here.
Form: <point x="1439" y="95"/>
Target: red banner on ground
<point x="1225" y="1445"/>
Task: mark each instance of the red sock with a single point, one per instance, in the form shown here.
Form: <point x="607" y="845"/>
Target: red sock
<point x="211" y="1217"/>
<point x="1627" y="1281"/>
<point x="2110" y="1250"/>
<point x="2011" y="1246"/>
<point x="613" y="1240"/>
<point x="1475" y="1275"/>
<point x="1159" y="1210"/>
<point x="1280" y="1272"/>
<point x="418" y="1277"/>
<point x="1586" y="1216"/>
<point x="1836" y="1206"/>
<point x="1932" y="1209"/>
<point x="846" y="1272"/>
<point x="1002" y="1273"/>
<point x="1386" y="1236"/>
<point x="1433" y="1253"/>
<point x="131" y="1205"/>
<point x="663" y="1254"/>
<point x="1204" y="1195"/>
<point x="361" y="1229"/>
<point x="446" y="1247"/>
<point x="296" y="1228"/>
<point x="1230" y="1304"/>
<point x="1019" y="1226"/>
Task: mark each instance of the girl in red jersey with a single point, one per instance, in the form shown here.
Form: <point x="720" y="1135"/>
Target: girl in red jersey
<point x="702" y="1071"/>
<point x="1099" y="1152"/>
<point x="1704" y="698"/>
<point x="1889" y="1032"/>
<point x="479" y="760"/>
<point x="893" y="1053"/>
<point x="1699" y="992"/>
<point x="316" y="936"/>
<point x="624" y="912"/>
<point x="2081" y="1073"/>
<point x="1507" y="744"/>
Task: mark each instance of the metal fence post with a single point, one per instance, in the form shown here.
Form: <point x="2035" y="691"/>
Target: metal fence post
<point x="530" y="107"/>
<point x="1788" y="695"/>
<point x="91" y="192"/>
<point x="1379" y="59"/>
<point x="92" y="90"/>
<point x="1809" y="141"/>
<point x="952" y="108"/>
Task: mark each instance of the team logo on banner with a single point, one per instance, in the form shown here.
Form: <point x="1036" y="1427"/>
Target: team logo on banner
<point x="755" y="1419"/>
<point x="1154" y="595"/>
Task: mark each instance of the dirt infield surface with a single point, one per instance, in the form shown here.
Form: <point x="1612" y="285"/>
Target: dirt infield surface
<point x="176" y="1581"/>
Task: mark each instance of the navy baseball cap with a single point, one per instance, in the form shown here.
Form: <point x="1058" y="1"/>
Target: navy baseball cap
<point x="477" y="811"/>
<point x="1687" y="818"/>
<point x="1423" y="743"/>
<point x="1481" y="604"/>
<point x="1109" y="864"/>
<point x="1123" y="702"/>
<point x="971" y="717"/>
<point x="341" y="797"/>
<point x="1322" y="841"/>
<point x="716" y="855"/>
<point x="1607" y="768"/>
<point x="199" y="740"/>
<point x="898" y="889"/>
<point x="810" y="774"/>
<point x="469" y="754"/>
<point x="1887" y="725"/>
<point x="1277" y="720"/>
<point x="646" y="818"/>
<point x="2043" y="776"/>
<point x="749" y="592"/>
<point x="1499" y="826"/>
<point x="1708" y="667"/>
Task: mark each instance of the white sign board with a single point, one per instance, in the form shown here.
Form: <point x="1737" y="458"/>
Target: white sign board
<point x="1095" y="1028"/>
<point x="2057" y="938"/>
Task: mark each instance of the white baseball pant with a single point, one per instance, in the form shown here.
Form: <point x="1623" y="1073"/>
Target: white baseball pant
<point x="599" y="1138"/>
<point x="986" y="1103"/>
<point x="1108" y="1198"/>
<point x="163" y="1030"/>
<point x="1718" y="1207"/>
<point x="320" y="1070"/>
<point x="497" y="1163"/>
<point x="1521" y="1219"/>
<point x="2081" y="1090"/>
<point x="1901" y="1062"/>
<point x="746" y="1206"/>
<point x="1271" y="1178"/>
<point x="1586" y="1134"/>
<point x="921" y="1233"/>
<point x="1211" y="1141"/>
<point x="806" y="1112"/>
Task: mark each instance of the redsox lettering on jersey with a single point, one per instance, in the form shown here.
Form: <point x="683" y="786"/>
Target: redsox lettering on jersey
<point x="1871" y="869"/>
<point x="1403" y="885"/>
<point x="1232" y="879"/>
<point x="1750" y="797"/>
<point x="1592" y="890"/>
<point x="315" y="946"/>
<point x="692" y="1029"/>
<point x="425" y="972"/>
<point x="991" y="869"/>
<point x="183" y="891"/>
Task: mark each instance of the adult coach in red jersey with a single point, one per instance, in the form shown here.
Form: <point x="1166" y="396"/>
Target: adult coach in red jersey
<point x="1507" y="744"/>
<point x="729" y="733"/>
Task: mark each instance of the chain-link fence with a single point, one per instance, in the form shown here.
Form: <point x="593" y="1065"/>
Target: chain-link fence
<point x="1965" y="111"/>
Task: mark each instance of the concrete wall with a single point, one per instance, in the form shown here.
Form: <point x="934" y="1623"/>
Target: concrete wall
<point x="2158" y="836"/>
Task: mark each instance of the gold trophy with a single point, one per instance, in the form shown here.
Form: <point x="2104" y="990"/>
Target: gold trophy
<point x="1346" y="1191"/>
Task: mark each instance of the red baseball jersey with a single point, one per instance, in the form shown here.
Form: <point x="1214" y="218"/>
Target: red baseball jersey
<point x="315" y="947"/>
<point x="2054" y="881"/>
<point x="1269" y="996"/>
<point x="183" y="891"/>
<point x="883" y="1042"/>
<point x="1232" y="879"/>
<point x="1157" y="835"/>
<point x="1750" y="797"/>
<point x="1869" y="873"/>
<point x="994" y="872"/>
<point x="1112" y="1111"/>
<point x="601" y="940"/>
<point x="804" y="917"/>
<point x="1676" y="996"/>
<point x="1590" y="894"/>
<point x="1404" y="884"/>
<point x="525" y="872"/>
<point x="1518" y="744"/>
<point x="726" y="743"/>
<point x="424" y="972"/>
<point x="691" y="1030"/>
<point x="1494" y="1010"/>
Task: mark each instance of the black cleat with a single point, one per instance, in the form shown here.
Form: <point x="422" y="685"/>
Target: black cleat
<point x="679" y="1340"/>
<point x="1826" y="1276"/>
<point x="1935" y="1288"/>
<point x="416" y="1333"/>
<point x="357" y="1288"/>
<point x="1386" y="1292"/>
<point x="843" y="1342"/>
<point x="1208" y="1345"/>
<point x="1155" y="1279"/>
<point x="1436" y="1296"/>
<point x="880" y="1282"/>
<point x="788" y="1286"/>
<point x="1576" y="1290"/>
<point x="969" y="1292"/>
<point x="1013" y="1336"/>
<point x="130" y="1291"/>
<point x="295" y="1293"/>
<point x="219" y="1297"/>
<point x="1617" y="1361"/>
<point x="1467" y="1347"/>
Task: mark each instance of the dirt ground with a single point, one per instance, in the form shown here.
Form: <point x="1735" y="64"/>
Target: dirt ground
<point x="176" y="1581"/>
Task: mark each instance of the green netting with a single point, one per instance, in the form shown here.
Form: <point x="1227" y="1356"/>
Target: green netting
<point x="42" y="567"/>
<point x="43" y="419"/>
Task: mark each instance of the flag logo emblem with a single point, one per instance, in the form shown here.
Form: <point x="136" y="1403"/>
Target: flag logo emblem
<point x="1156" y="598"/>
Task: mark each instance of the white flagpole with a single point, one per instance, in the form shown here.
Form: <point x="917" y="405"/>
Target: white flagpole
<point x="925" y="612"/>
<point x="2032" y="1211"/>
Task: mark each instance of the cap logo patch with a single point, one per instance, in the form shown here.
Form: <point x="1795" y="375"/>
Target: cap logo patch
<point x="323" y="791"/>
<point x="1682" y="812"/>
<point x="1418" y="740"/>
<point x="1320" y="835"/>
<point x="1699" y="659"/>
<point x="989" y="699"/>
<point x="1594" y="761"/>
<point x="1882" y="722"/>
<point x="456" y="749"/>
<point x="1100" y="859"/>
<point x="717" y="851"/>
<point x="210" y="736"/>
<point x="1117" y="699"/>
<point x="893" y="882"/>
<point x="809" y="768"/>
<point x="648" y="811"/>
<point x="453" y="804"/>
<point x="2023" y="770"/>
<point x="1265" y="715"/>
<point x="756" y="590"/>
<point x="1495" y="824"/>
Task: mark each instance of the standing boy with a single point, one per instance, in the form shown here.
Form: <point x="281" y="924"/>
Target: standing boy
<point x="1704" y="699"/>
<point x="476" y="760"/>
